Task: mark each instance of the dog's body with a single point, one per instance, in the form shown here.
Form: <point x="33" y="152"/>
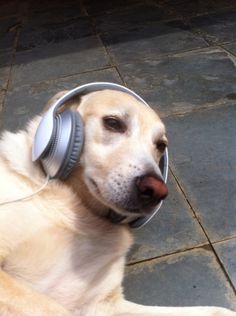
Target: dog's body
<point x="59" y="253"/>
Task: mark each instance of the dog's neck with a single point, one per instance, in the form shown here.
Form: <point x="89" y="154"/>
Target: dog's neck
<point x="75" y="181"/>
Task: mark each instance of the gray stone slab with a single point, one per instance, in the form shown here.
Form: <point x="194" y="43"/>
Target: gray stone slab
<point x="171" y="230"/>
<point x="186" y="9"/>
<point x="7" y="8"/>
<point x="129" y="18"/>
<point x="103" y="6"/>
<point x="185" y="279"/>
<point x="58" y="60"/>
<point x="5" y="64"/>
<point x="185" y="81"/>
<point x="8" y="29"/>
<point x="22" y="103"/>
<point x="217" y="28"/>
<point x="226" y="251"/>
<point x="2" y="95"/>
<point x="203" y="155"/>
<point x="150" y="41"/>
<point x="45" y="5"/>
<point x="231" y="47"/>
<point x="53" y="26"/>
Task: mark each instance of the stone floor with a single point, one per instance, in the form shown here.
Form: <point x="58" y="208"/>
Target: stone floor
<point x="180" y="56"/>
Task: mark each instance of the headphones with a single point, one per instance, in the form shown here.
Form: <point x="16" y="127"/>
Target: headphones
<point x="59" y="138"/>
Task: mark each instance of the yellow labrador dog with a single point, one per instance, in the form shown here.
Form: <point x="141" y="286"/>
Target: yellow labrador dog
<point x="60" y="254"/>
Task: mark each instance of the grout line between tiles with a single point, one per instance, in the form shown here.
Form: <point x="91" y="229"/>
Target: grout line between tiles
<point x="224" y="240"/>
<point x="120" y="75"/>
<point x="197" y="110"/>
<point x="48" y="81"/>
<point x="228" y="51"/>
<point x="179" y="251"/>
<point x="205" y="232"/>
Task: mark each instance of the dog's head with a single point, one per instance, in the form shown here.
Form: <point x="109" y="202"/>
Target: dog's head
<point x="124" y="142"/>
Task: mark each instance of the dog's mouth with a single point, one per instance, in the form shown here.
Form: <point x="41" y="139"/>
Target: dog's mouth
<point x="120" y="211"/>
<point x="117" y="213"/>
<point x="94" y="184"/>
<point x="127" y="208"/>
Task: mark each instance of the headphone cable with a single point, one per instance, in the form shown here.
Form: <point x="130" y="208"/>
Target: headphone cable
<point x="28" y="196"/>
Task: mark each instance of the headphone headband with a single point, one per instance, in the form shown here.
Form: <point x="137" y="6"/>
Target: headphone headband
<point x="40" y="145"/>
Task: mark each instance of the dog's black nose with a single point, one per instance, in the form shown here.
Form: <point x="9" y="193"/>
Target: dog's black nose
<point x="151" y="189"/>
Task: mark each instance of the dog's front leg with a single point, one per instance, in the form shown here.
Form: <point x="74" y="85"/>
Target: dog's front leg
<point x="126" y="308"/>
<point x="19" y="300"/>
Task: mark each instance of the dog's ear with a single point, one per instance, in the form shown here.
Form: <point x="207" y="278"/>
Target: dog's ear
<point x="73" y="103"/>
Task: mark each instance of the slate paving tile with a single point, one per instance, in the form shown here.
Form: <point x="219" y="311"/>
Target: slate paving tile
<point x="9" y="8"/>
<point x="5" y="64"/>
<point x="217" y="28"/>
<point x="129" y="18"/>
<point x="45" y="5"/>
<point x="8" y="29"/>
<point x="22" y="103"/>
<point x="103" y="6"/>
<point x="226" y="251"/>
<point x="183" y="82"/>
<point x="57" y="60"/>
<point x="186" y="9"/>
<point x="203" y="154"/>
<point x="150" y="41"/>
<point x="185" y="279"/>
<point x="2" y="95"/>
<point x="54" y="26"/>
<point x="172" y="229"/>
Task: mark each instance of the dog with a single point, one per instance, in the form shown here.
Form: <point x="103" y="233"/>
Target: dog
<point x="61" y="254"/>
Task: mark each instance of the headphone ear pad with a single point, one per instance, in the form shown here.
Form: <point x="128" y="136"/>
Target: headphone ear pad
<point x="75" y="146"/>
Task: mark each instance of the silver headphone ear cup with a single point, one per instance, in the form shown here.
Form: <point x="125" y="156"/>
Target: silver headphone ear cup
<point x="48" y="157"/>
<point x="75" y="147"/>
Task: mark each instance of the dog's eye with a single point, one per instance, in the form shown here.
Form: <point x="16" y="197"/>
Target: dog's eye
<point x="161" y="146"/>
<point x="114" y="124"/>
